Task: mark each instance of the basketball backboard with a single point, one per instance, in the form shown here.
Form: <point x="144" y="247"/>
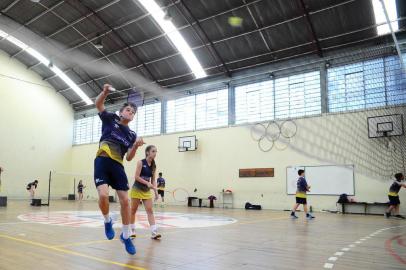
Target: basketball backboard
<point x="187" y="143"/>
<point x="385" y="126"/>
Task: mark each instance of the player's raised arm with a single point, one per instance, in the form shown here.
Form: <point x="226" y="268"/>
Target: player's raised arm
<point x="101" y="98"/>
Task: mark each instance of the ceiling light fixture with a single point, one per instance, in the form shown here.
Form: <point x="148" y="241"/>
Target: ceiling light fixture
<point x="37" y="55"/>
<point x="161" y="17"/>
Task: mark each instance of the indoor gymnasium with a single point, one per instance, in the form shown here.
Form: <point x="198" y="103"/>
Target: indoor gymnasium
<point x="202" y="134"/>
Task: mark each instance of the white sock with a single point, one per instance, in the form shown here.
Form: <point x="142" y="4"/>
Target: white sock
<point x="126" y="232"/>
<point x="132" y="226"/>
<point x="106" y="218"/>
<point x="154" y="228"/>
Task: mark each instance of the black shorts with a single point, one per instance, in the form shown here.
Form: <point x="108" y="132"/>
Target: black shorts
<point x="301" y="200"/>
<point x="161" y="192"/>
<point x="394" y="200"/>
<point x="110" y="172"/>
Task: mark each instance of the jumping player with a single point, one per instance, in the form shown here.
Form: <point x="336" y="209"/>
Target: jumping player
<point x="117" y="141"/>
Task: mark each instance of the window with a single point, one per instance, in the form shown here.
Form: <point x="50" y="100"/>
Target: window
<point x="368" y="84"/>
<point x="82" y="131"/>
<point x="212" y="109"/>
<point x="147" y="121"/>
<point x="293" y="96"/>
<point x="374" y="81"/>
<point x="254" y="102"/>
<point x="200" y="111"/>
<point x="97" y="128"/>
<point x="180" y="114"/>
<point x="298" y="95"/>
<point x="395" y="81"/>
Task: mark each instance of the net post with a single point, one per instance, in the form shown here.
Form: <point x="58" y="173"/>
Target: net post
<point x="49" y="187"/>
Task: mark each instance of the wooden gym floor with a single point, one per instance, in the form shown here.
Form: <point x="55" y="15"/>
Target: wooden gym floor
<point x="257" y="240"/>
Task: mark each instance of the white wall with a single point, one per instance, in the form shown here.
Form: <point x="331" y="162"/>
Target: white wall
<point x="330" y="139"/>
<point x="36" y="130"/>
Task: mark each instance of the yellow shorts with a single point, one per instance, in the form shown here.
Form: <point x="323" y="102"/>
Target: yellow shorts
<point x="140" y="194"/>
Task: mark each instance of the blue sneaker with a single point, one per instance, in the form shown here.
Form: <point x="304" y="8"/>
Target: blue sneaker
<point x="129" y="246"/>
<point x="108" y="229"/>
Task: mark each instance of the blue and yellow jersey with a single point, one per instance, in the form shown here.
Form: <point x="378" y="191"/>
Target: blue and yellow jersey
<point x="301" y="187"/>
<point x="161" y="183"/>
<point x="146" y="174"/>
<point x="116" y="138"/>
<point x="395" y="188"/>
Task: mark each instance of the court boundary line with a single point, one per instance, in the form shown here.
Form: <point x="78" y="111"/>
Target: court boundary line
<point x="70" y="252"/>
<point x="391" y="251"/>
<point x="330" y="265"/>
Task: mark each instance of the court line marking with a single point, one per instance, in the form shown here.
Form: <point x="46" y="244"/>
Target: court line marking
<point x="96" y="241"/>
<point x="84" y="243"/>
<point x="258" y="221"/>
<point x="387" y="244"/>
<point x="328" y="265"/>
<point x="70" y="252"/>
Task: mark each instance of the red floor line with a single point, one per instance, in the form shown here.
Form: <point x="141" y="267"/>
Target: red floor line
<point x="401" y="243"/>
<point x="388" y="246"/>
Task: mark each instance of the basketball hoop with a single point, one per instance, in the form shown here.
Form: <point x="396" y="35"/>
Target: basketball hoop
<point x="386" y="127"/>
<point x="386" y="136"/>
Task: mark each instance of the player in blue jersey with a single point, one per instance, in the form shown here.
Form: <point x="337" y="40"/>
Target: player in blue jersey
<point x="301" y="196"/>
<point x="393" y="195"/>
<point x="117" y="141"/>
<point x="161" y="188"/>
<point x="145" y="189"/>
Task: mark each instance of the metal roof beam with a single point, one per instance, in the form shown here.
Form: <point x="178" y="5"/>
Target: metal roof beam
<point x="214" y="42"/>
<point x="311" y="28"/>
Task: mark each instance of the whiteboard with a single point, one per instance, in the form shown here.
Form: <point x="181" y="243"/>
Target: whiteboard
<point x="324" y="180"/>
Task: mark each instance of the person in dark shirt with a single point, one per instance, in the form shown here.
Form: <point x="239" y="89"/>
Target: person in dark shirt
<point x="145" y="189"/>
<point x="301" y="196"/>
<point x="393" y="195"/>
<point x="117" y="140"/>
<point x="31" y="187"/>
<point x="80" y="190"/>
<point x="161" y="188"/>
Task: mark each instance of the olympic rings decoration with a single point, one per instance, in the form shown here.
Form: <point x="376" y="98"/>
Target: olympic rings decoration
<point x="273" y="134"/>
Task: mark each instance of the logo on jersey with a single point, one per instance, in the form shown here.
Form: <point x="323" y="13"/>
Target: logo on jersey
<point x="98" y="180"/>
